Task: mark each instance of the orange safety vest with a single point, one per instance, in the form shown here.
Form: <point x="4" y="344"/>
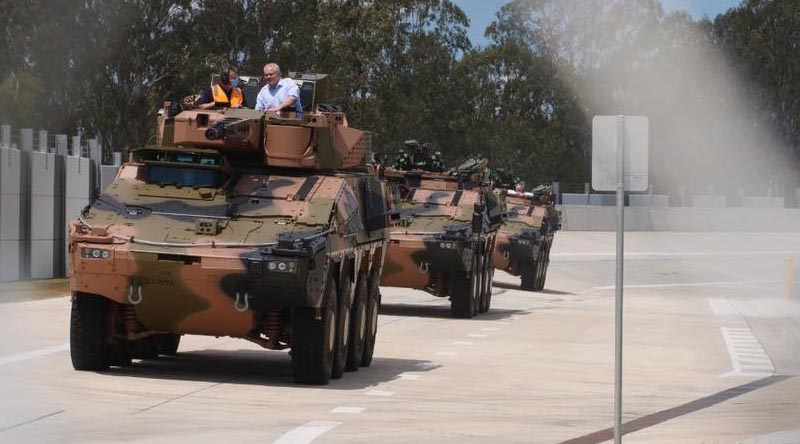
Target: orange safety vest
<point x="221" y="99"/>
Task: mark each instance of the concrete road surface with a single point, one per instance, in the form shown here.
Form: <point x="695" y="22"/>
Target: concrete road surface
<point x="712" y="350"/>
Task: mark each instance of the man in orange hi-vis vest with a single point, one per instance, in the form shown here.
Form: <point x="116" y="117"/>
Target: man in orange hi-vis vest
<point x="225" y="93"/>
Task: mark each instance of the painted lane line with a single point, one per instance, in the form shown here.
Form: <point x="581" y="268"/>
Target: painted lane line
<point x="348" y="409"/>
<point x="501" y="322"/>
<point x="476" y="335"/>
<point x="409" y="376"/>
<point x="692" y="284"/>
<point x="656" y="254"/>
<point x="490" y="329"/>
<point x="10" y="359"/>
<point x="426" y="365"/>
<point x="380" y="393"/>
<point x="307" y="432"/>
<point x="461" y="343"/>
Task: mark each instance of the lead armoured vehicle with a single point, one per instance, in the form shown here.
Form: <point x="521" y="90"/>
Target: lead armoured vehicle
<point x="239" y="223"/>
<point x="524" y="241"/>
<point x="443" y="231"/>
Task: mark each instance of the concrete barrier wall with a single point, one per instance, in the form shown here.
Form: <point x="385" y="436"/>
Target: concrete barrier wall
<point x="603" y="218"/>
<point x="47" y="218"/>
<point x="11" y="232"/>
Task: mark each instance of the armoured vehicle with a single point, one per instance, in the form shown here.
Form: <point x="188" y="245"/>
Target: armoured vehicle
<point x="239" y="223"/>
<point x="443" y="232"/>
<point x="524" y="240"/>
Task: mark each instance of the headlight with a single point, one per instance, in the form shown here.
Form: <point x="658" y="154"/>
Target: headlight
<point x="283" y="266"/>
<point x="95" y="253"/>
<point x="448" y="245"/>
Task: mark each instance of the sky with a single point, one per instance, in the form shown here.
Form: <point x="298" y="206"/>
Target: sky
<point x="482" y="12"/>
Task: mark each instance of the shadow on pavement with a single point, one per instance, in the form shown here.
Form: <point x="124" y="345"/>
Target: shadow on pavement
<point x="442" y="311"/>
<point x="260" y="368"/>
<point x="507" y="286"/>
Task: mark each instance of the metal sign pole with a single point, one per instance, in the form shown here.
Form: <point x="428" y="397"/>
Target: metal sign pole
<point x="619" y="280"/>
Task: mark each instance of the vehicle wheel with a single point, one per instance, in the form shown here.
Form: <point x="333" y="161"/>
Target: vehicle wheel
<point x="342" y="328"/>
<point x="373" y="307"/>
<point x="89" y="345"/>
<point x="542" y="267"/>
<point x="477" y="277"/>
<point x="313" y="340"/>
<point x="528" y="275"/>
<point x="462" y="292"/>
<point x="358" y="324"/>
<point x="168" y="344"/>
<point x="486" y="300"/>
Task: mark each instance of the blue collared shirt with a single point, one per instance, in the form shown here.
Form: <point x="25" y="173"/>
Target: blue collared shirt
<point x="270" y="97"/>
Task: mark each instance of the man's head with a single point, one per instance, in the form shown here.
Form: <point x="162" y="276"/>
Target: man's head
<point x="272" y="74"/>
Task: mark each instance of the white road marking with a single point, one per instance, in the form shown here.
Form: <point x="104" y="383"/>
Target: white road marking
<point x="445" y="353"/>
<point x="10" y="359"/>
<point x="658" y="254"/>
<point x="348" y="409"/>
<point x="476" y="335"/>
<point x="307" y="432"/>
<point x="748" y="357"/>
<point x="380" y="393"/>
<point x="490" y="329"/>
<point x="410" y="376"/>
<point x="426" y="365"/>
<point x="694" y="284"/>
<point x="783" y="437"/>
<point x="461" y="343"/>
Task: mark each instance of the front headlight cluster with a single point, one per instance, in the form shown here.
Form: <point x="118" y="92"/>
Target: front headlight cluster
<point x="282" y="266"/>
<point x="449" y="245"/>
<point x="95" y="253"/>
<point x="523" y="241"/>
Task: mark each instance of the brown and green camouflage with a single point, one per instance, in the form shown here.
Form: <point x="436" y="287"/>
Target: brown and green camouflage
<point x="442" y="236"/>
<point x="524" y="240"/>
<point x="238" y="224"/>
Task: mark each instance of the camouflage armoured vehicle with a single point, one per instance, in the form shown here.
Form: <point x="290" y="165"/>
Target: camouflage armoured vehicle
<point x="524" y="241"/>
<point x="443" y="232"/>
<point x="240" y="223"/>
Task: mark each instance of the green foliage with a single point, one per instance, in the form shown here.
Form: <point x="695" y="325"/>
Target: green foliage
<point x="405" y="69"/>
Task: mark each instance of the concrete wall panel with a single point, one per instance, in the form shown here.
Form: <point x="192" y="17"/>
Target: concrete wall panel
<point x="46" y="224"/>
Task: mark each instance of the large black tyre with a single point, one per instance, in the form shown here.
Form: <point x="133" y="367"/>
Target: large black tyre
<point x="373" y="307"/>
<point x="342" y="327"/>
<point x="313" y="340"/>
<point x="486" y="296"/>
<point x="477" y="276"/>
<point x="89" y="346"/>
<point x="168" y="344"/>
<point x="358" y="324"/>
<point x="528" y="275"/>
<point x="463" y="292"/>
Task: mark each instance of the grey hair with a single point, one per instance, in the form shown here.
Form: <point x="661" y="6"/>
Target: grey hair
<point x="273" y="65"/>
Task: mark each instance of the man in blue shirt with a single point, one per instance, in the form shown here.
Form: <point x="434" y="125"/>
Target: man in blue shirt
<point x="278" y="94"/>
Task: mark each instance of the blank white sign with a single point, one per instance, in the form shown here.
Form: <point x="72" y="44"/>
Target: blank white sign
<point x="604" y="152"/>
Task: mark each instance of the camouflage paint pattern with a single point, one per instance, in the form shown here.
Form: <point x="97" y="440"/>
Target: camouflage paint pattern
<point x="215" y="259"/>
<point x="432" y="240"/>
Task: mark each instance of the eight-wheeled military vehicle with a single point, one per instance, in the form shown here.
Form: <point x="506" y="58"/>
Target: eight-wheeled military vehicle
<point x="443" y="231"/>
<point x="524" y="240"/>
<point x="239" y="223"/>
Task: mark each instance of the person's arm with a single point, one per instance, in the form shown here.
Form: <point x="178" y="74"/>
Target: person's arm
<point x="293" y="94"/>
<point x="261" y="103"/>
<point x="206" y="101"/>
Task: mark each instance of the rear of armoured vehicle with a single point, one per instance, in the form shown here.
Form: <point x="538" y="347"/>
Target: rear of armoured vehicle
<point x="524" y="240"/>
<point x="442" y="237"/>
<point x="240" y="223"/>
